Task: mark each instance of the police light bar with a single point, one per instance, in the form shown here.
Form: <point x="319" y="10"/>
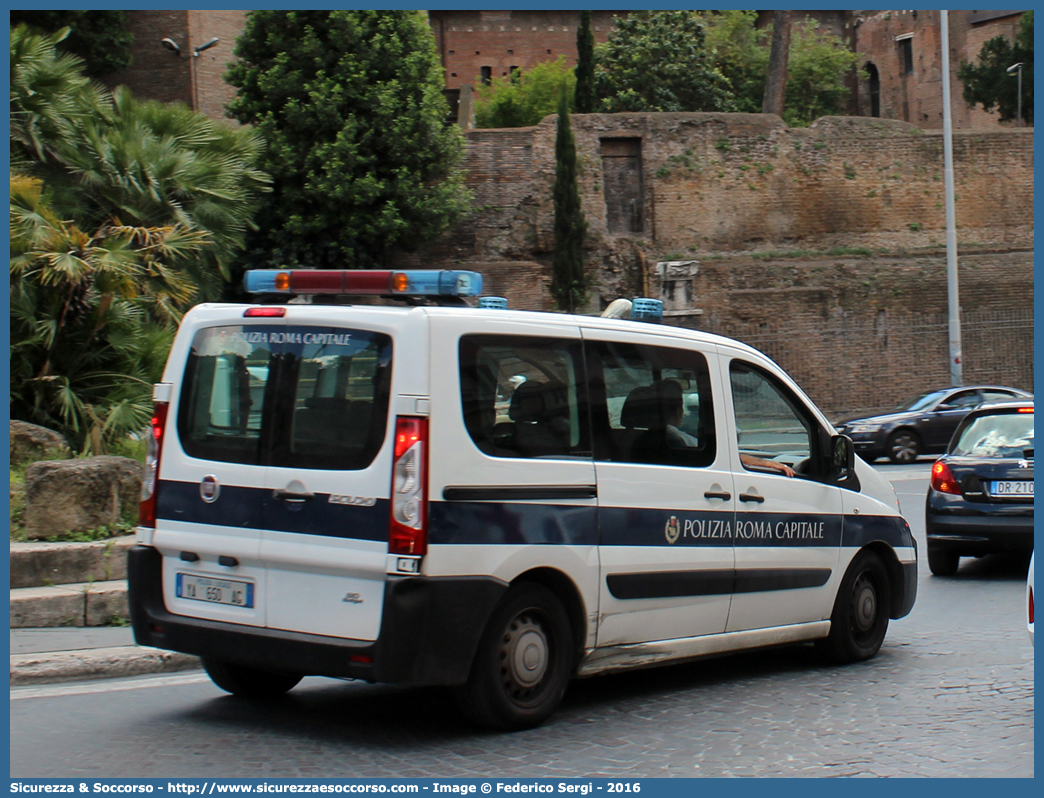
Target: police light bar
<point x="364" y="282"/>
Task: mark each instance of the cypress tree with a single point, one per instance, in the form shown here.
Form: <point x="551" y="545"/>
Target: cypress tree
<point x="584" y="98"/>
<point x="568" y="280"/>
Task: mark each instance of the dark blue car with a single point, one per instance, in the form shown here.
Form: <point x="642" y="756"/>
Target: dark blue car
<point x="923" y="424"/>
<point x="980" y="500"/>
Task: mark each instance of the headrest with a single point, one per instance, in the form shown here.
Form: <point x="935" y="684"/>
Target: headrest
<point x="537" y="401"/>
<point x="642" y="409"/>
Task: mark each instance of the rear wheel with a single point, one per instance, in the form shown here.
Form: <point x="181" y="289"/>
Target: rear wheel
<point x="860" y="617"/>
<point x="943" y="563"/>
<point x="903" y="446"/>
<point x="247" y="682"/>
<point x="523" y="663"/>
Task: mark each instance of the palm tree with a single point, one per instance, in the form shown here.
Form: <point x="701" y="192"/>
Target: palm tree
<point x="91" y="317"/>
<point x="106" y="156"/>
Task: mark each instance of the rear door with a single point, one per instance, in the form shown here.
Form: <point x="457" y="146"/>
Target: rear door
<point x="211" y="498"/>
<point x="325" y="538"/>
<point x="942" y="421"/>
<point x="665" y="489"/>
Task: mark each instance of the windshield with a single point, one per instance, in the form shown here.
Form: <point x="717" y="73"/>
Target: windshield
<point x="921" y="401"/>
<point x="1001" y="435"/>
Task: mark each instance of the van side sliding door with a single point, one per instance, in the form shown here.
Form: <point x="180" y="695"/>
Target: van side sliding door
<point x="666" y="501"/>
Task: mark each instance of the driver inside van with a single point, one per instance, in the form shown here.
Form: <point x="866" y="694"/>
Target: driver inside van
<point x="679" y="439"/>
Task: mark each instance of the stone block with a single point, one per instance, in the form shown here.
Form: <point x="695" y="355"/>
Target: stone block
<point x="38" y="564"/>
<point x="77" y="495"/>
<point x="38" y="607"/>
<point x="105" y="601"/>
<point x="30" y="442"/>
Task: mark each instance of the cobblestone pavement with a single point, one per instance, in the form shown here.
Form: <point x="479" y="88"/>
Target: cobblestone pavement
<point x="950" y="694"/>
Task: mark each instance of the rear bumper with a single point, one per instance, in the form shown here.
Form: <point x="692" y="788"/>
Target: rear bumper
<point x="429" y="631"/>
<point x="973" y="535"/>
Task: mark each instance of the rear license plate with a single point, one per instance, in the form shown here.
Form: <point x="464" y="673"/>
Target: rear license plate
<point x="1012" y="487"/>
<point x="216" y="591"/>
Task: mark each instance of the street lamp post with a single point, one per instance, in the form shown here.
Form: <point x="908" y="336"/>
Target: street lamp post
<point x="1017" y="68"/>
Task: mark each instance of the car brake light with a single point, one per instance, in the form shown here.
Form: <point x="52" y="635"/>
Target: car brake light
<point x="266" y="311"/>
<point x="1031" y="605"/>
<point x="408" y="531"/>
<point x="153" y="449"/>
<point x="943" y="479"/>
<point x="1024" y="410"/>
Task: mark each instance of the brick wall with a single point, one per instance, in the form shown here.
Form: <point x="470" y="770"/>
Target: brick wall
<point x="157" y="73"/>
<point x="745" y="182"/>
<point x="860" y="331"/>
<point x="470" y="40"/>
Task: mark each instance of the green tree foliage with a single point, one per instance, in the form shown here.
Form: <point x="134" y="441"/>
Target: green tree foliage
<point x="584" y="96"/>
<point x="100" y="38"/>
<point x="987" y="82"/>
<point x="351" y="105"/>
<point x="568" y="278"/>
<point x="92" y="318"/>
<point x="122" y="214"/>
<point x="524" y="99"/>
<point x="740" y="52"/>
<point x="658" y="61"/>
<point x="819" y="62"/>
<point x="818" y="65"/>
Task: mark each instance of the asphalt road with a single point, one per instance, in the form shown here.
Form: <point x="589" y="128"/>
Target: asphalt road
<point x="950" y="695"/>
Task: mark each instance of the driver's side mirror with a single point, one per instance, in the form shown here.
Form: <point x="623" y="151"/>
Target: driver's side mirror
<point x="842" y="462"/>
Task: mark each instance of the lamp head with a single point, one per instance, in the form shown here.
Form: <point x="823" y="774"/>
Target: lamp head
<point x="206" y="45"/>
<point x="1011" y="70"/>
<point x="171" y="45"/>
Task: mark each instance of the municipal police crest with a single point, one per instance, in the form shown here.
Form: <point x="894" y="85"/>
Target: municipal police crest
<point x="673" y="530"/>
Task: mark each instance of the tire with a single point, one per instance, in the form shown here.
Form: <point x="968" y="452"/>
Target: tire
<point x="523" y="662"/>
<point x="943" y="563"/>
<point x="860" y="617"/>
<point x="247" y="682"/>
<point x="904" y="445"/>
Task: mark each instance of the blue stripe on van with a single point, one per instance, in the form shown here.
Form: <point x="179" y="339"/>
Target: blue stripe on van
<point x="254" y="508"/>
<point x="513" y="524"/>
<point x="492" y="523"/>
<point x="863" y="529"/>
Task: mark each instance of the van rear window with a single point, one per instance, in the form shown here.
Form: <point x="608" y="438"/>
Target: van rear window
<point x="297" y="397"/>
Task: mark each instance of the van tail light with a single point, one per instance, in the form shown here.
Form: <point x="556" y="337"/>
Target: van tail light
<point x="153" y="448"/>
<point x="408" y="531"/>
<point x="943" y="479"/>
<point x="1029" y="609"/>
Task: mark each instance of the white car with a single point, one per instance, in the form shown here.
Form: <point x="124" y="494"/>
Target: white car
<point x="1029" y="600"/>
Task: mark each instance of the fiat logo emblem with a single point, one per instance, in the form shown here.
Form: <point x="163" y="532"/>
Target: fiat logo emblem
<point x="209" y="489"/>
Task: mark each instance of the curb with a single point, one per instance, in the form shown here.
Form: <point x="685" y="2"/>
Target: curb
<point x="96" y="663"/>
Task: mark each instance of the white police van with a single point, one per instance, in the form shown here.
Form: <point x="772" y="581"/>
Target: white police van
<point x="492" y="499"/>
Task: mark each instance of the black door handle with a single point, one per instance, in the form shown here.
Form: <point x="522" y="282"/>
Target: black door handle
<point x="717" y="494"/>
<point x="290" y="496"/>
<point x="751" y="497"/>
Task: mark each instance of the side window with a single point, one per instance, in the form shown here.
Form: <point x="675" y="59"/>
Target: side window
<point x="223" y="397"/>
<point x="524" y="396"/>
<point x="651" y="405"/>
<point x="301" y="397"/>
<point x="997" y="396"/>
<point x="964" y="399"/>
<point x="769" y="424"/>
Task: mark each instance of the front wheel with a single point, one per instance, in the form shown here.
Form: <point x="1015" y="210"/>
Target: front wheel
<point x="247" y="682"/>
<point x="903" y="446"/>
<point x="860" y="617"/>
<point x="523" y="663"/>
